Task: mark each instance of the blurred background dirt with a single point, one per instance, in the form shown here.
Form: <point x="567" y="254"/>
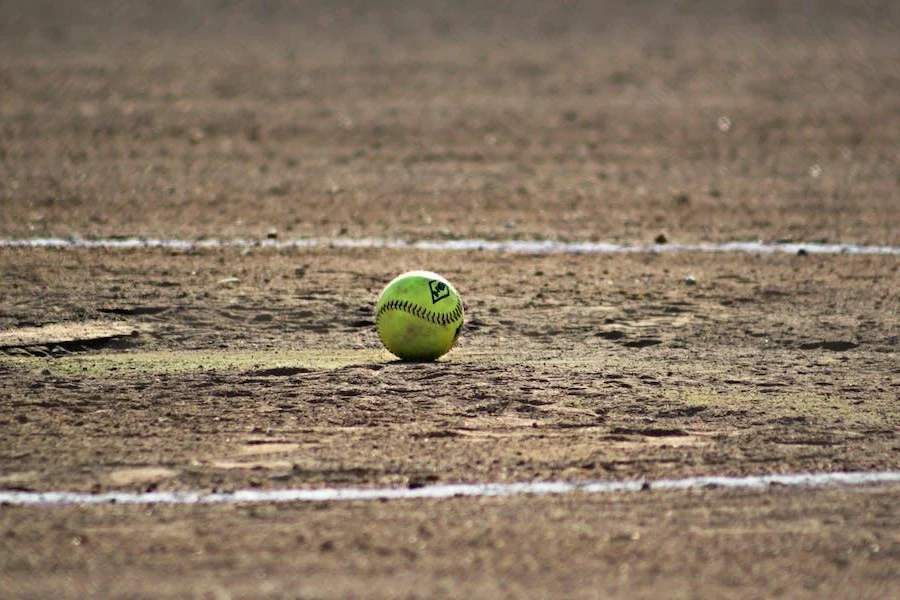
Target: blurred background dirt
<point x="581" y="120"/>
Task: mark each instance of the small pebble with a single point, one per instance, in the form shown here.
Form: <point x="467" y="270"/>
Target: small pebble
<point x="690" y="280"/>
<point x="662" y="238"/>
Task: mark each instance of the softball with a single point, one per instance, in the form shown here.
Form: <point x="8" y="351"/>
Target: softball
<point x="419" y="316"/>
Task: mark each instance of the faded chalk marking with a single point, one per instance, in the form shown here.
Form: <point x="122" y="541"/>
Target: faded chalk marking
<point x="437" y="492"/>
<point x="510" y="246"/>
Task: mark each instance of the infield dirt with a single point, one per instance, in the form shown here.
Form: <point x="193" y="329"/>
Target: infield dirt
<point x="229" y="368"/>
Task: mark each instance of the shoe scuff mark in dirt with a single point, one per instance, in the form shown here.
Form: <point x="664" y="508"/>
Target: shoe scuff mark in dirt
<point x="62" y="338"/>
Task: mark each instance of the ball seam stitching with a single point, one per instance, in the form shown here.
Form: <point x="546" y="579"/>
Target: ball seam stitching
<point x="421" y="312"/>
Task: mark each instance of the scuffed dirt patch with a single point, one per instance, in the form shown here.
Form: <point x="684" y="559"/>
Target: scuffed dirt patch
<point x="56" y="339"/>
<point x="139" y="476"/>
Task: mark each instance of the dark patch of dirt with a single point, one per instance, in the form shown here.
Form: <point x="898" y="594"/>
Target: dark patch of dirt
<point x="834" y="346"/>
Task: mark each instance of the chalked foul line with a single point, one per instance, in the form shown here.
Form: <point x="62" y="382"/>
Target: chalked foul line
<point x="439" y="492"/>
<point x="509" y="246"/>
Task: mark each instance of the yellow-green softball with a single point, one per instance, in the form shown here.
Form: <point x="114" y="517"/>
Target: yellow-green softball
<point x="419" y="316"/>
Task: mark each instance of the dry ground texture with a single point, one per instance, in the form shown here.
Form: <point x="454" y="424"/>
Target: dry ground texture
<point x="260" y="368"/>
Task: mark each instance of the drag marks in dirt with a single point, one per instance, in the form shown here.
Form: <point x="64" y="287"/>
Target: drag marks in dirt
<point x="442" y="492"/>
<point x="654" y="325"/>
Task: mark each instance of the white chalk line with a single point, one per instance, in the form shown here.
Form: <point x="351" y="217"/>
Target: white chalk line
<point x="509" y="246"/>
<point x="438" y="492"/>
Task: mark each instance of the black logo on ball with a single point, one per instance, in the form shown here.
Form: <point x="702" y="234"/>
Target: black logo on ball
<point x="439" y="290"/>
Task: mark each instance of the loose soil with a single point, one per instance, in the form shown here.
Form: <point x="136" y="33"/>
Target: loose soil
<point x="260" y="368"/>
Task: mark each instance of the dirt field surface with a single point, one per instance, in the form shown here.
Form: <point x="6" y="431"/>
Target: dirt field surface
<point x="712" y="120"/>
<point x="265" y="369"/>
<point x="707" y="544"/>
<point x="259" y="368"/>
